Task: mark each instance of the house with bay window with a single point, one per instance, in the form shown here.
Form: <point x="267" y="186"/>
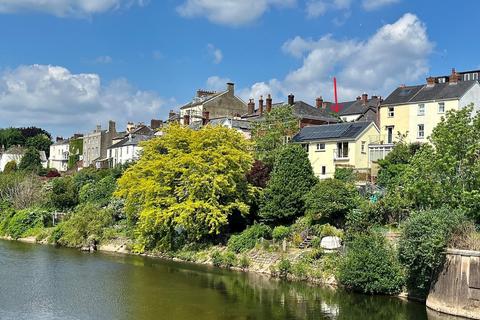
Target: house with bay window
<point x="337" y="145"/>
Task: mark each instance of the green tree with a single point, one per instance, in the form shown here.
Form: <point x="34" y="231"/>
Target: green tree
<point x="40" y="142"/>
<point x="30" y="160"/>
<point x="98" y="192"/>
<point x="10" y="167"/>
<point x="292" y="177"/>
<point x="371" y="266"/>
<point x="331" y="200"/>
<point x="395" y="163"/>
<point x="11" y="137"/>
<point x="64" y="194"/>
<point x="270" y="132"/>
<point x="186" y="184"/>
<point x="424" y="238"/>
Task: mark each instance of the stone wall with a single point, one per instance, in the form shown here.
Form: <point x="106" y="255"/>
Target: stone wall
<point x="456" y="290"/>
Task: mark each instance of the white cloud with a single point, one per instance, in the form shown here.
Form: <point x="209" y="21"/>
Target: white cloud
<point x="230" y="12"/>
<point x="54" y="98"/>
<point x="103" y="60"/>
<point x="215" y="53"/>
<point x="316" y="8"/>
<point x="396" y="53"/>
<point x="370" y="5"/>
<point x="64" y="8"/>
<point x="217" y="83"/>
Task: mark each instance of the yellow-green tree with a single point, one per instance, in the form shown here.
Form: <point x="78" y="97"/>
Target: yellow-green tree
<point x="186" y="184"/>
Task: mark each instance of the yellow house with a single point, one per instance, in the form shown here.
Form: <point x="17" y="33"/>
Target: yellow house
<point x="337" y="145"/>
<point x="414" y="111"/>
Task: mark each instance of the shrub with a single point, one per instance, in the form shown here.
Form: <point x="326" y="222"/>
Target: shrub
<point x="229" y="259"/>
<point x="247" y="239"/>
<point x="52" y="173"/>
<point x="280" y="233"/>
<point x="64" y="194"/>
<point x="424" y="238"/>
<point x="345" y="174"/>
<point x="244" y="262"/>
<point x="331" y="200"/>
<point x="31" y="160"/>
<point x="86" y="225"/>
<point x="10" y="167"/>
<point x="284" y="267"/>
<point x="6" y="213"/>
<point x="98" y="192"/>
<point x="217" y="258"/>
<point x="370" y="266"/>
<point x="327" y="230"/>
<point x="300" y="269"/>
<point x="23" y="221"/>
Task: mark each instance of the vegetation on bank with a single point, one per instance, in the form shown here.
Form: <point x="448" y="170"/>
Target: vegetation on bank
<point x="212" y="196"/>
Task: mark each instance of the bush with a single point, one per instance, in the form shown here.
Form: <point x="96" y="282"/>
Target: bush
<point x="217" y="258"/>
<point x="229" y="259"/>
<point x="327" y="230"/>
<point x="424" y="238"/>
<point x="360" y="221"/>
<point x="331" y="200"/>
<point x="24" y="221"/>
<point x="52" y="173"/>
<point x="284" y="267"/>
<point x="370" y="266"/>
<point x="281" y="232"/>
<point x="248" y="238"/>
<point x="98" y="192"/>
<point x="10" y="167"/>
<point x="31" y="160"/>
<point x="300" y="269"/>
<point x="244" y="262"/>
<point x="85" y="226"/>
<point x="64" y="194"/>
<point x="345" y="174"/>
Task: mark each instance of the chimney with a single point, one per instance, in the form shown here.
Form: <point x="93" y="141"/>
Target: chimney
<point x="260" y="105"/>
<point x="374" y="97"/>
<point x="251" y="106"/>
<point x="454" y="77"/>
<point x="186" y="119"/>
<point x="269" y="103"/>
<point x="365" y="98"/>
<point x="430" y="81"/>
<point x="205" y="117"/>
<point x="291" y="99"/>
<point x="58" y="139"/>
<point x="155" y="124"/>
<point x="358" y="98"/>
<point x="231" y="88"/>
<point x="111" y="127"/>
<point x="99" y="128"/>
<point x="319" y="102"/>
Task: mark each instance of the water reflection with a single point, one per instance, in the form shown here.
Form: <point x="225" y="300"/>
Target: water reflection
<point x="47" y="283"/>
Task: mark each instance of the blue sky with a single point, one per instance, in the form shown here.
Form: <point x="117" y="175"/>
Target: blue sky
<point x="68" y="64"/>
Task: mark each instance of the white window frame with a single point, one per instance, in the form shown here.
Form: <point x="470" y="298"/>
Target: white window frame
<point x="421" y="109"/>
<point x="443" y="109"/>
<point x="388" y="135"/>
<point x="391" y="112"/>
<point x="319" y="147"/>
<point x="422" y="135"/>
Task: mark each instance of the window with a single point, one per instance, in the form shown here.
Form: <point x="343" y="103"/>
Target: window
<point x="421" y="109"/>
<point x="390" y="134"/>
<point x="342" y="150"/>
<point x="391" y="112"/>
<point x="324" y="170"/>
<point x="363" y="146"/>
<point x="441" y="80"/>
<point x="466" y="77"/>
<point x="320" y="146"/>
<point x="286" y="139"/>
<point x="421" y="131"/>
<point x="475" y="76"/>
<point x="441" y="107"/>
<point x="305" y="146"/>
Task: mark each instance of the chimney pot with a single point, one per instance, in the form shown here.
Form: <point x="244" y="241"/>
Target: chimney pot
<point x="319" y="102"/>
<point x="251" y="106"/>
<point x="365" y="98"/>
<point x="454" y="77"/>
<point x="291" y="99"/>
<point x="430" y="81"/>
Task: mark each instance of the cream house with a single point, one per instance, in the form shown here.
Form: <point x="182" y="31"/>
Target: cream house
<point x="337" y="145"/>
<point x="414" y="111"/>
<point x="59" y="153"/>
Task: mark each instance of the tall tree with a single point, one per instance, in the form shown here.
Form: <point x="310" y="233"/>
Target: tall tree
<point x="11" y="137"/>
<point x="186" y="184"/>
<point x="270" y="132"/>
<point x="31" y="160"/>
<point x="40" y="142"/>
<point x="292" y="177"/>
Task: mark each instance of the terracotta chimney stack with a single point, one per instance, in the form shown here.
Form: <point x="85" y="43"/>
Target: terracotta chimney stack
<point x="319" y="102"/>
<point x="430" y="81"/>
<point x="251" y="106"/>
<point x="260" y="105"/>
<point x="365" y="98"/>
<point x="454" y="77"/>
<point x="269" y="103"/>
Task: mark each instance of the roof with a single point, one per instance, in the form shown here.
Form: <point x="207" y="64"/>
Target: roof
<point x="201" y="100"/>
<point x="421" y="93"/>
<point x="344" y="131"/>
<point x="357" y="106"/>
<point x="61" y="142"/>
<point x="236" y="123"/>
<point x="130" y="140"/>
<point x="301" y="110"/>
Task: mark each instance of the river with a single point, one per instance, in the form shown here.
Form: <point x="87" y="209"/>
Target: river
<point x="43" y="282"/>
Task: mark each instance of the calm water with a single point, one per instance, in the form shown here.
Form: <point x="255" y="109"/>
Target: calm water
<point x="42" y="282"/>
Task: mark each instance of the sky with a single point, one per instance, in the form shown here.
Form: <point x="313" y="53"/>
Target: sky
<point x="67" y="65"/>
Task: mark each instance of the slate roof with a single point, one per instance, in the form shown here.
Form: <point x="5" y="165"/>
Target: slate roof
<point x="236" y="123"/>
<point x="357" y="106"/>
<point x="421" y="93"/>
<point x="340" y="131"/>
<point x="301" y="110"/>
<point x="130" y="140"/>
<point x="202" y="100"/>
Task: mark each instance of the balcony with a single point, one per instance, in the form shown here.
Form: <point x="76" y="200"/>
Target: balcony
<point x="340" y="155"/>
